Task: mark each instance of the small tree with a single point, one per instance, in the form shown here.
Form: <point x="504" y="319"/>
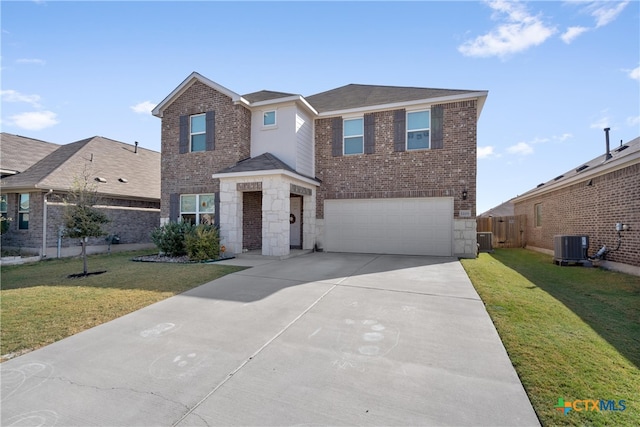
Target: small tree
<point x="81" y="219"/>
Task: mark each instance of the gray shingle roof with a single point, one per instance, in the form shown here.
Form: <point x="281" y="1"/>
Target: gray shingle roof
<point x="629" y="151"/>
<point x="102" y="157"/>
<point x="19" y="153"/>
<point x="266" y="95"/>
<point x="263" y="162"/>
<point x="356" y="96"/>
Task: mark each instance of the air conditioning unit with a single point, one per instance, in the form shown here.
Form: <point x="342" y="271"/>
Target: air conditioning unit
<point x="570" y="249"/>
<point x="485" y="241"/>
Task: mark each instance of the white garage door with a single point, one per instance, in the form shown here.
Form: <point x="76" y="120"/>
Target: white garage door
<point x="412" y="226"/>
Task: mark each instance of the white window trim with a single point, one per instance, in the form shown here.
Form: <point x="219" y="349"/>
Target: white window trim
<point x="191" y="134"/>
<point x="344" y="145"/>
<point x="197" y="212"/>
<point x="406" y="137"/>
<point x="275" y="119"/>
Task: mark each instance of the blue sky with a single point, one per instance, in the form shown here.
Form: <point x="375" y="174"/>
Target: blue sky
<point x="557" y="73"/>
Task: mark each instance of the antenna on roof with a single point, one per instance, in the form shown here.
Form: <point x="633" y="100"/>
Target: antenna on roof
<point x="135" y="150"/>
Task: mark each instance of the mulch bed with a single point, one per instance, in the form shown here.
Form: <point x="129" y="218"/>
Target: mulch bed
<point x="180" y="259"/>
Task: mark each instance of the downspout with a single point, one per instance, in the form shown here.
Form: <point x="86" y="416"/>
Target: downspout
<point x="44" y="225"/>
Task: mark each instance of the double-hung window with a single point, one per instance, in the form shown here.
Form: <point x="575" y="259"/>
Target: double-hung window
<point x="198" y="132"/>
<point x="23" y="212"/>
<point x="198" y="208"/>
<point x="418" y="129"/>
<point x="353" y="136"/>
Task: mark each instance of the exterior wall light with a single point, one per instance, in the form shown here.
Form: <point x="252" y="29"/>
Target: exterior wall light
<point x="464" y="194"/>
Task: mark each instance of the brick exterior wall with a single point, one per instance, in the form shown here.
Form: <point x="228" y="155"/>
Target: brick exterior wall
<point x="252" y="220"/>
<point x="592" y="210"/>
<point x="132" y="220"/>
<point x="389" y="174"/>
<point x="190" y="173"/>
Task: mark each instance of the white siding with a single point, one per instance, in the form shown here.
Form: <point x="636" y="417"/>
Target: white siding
<point x="304" y="139"/>
<point x="279" y="140"/>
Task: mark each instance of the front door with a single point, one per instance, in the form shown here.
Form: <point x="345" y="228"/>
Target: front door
<point x="295" y="223"/>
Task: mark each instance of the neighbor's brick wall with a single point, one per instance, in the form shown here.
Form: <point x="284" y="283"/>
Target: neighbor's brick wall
<point x="419" y="173"/>
<point x="592" y="210"/>
<point x="252" y="220"/>
<point x="190" y="173"/>
<point x="131" y="220"/>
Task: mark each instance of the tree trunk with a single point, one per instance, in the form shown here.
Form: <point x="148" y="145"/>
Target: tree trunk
<point x="84" y="255"/>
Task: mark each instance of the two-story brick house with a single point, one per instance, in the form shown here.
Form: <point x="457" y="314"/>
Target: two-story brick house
<point x="360" y="168"/>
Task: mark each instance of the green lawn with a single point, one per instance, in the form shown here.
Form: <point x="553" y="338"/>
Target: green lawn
<point x="571" y="333"/>
<point x="39" y="304"/>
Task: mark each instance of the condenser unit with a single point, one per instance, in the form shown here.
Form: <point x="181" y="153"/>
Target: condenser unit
<point x="570" y="249"/>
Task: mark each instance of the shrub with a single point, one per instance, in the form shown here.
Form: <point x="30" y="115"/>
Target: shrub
<point x="170" y="238"/>
<point x="203" y="243"/>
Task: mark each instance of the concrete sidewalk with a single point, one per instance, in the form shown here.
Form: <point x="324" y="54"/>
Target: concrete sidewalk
<point x="320" y="339"/>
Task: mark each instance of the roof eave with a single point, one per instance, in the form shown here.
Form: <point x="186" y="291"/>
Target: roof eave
<point x="480" y="95"/>
<point x="266" y="172"/>
<point x="295" y="98"/>
<point x="593" y="173"/>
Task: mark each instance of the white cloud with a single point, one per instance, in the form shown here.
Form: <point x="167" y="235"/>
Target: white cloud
<point x="521" y="148"/>
<point x="635" y="73"/>
<point x="601" y="123"/>
<point x="606" y="12"/>
<point x="633" y="121"/>
<point x="485" y="152"/>
<point x="144" y="107"/>
<point x="35" y="120"/>
<point x="11" y="95"/>
<point x="518" y="32"/>
<point x="563" y="137"/>
<point x="572" y="33"/>
<point x="35" y="61"/>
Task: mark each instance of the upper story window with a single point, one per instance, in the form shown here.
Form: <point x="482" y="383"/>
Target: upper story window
<point x="418" y="129"/>
<point x="198" y="132"/>
<point x="353" y="136"/>
<point x="197" y="208"/>
<point x="23" y="212"/>
<point x="269" y="118"/>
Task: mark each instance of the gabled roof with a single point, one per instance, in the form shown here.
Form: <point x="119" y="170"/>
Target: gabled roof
<point x="19" y="153"/>
<point x="622" y="156"/>
<point x="126" y="173"/>
<point x="356" y="96"/>
<point x="159" y="109"/>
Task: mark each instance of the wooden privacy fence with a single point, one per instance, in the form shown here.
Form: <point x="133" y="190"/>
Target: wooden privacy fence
<point x="508" y="231"/>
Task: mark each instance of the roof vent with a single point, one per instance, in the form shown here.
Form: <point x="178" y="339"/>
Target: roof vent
<point x="540" y="185"/>
<point x="558" y="177"/>
<point x="581" y="168"/>
<point x="123" y="180"/>
<point x="622" y="147"/>
<point x="100" y="179"/>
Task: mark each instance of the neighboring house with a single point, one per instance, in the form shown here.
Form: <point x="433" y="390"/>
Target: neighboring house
<point x="360" y="168"/>
<point x="19" y="153"/>
<point x="590" y="200"/>
<point x="127" y="180"/>
<point x="503" y="209"/>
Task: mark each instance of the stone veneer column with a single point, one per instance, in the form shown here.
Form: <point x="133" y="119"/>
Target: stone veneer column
<point x="275" y="216"/>
<point x="230" y="217"/>
<point x="464" y="238"/>
<point x="309" y="221"/>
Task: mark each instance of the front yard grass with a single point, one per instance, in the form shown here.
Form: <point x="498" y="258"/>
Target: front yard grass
<point x="570" y="332"/>
<point x="39" y="304"/>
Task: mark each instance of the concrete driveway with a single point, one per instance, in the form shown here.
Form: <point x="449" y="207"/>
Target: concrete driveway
<point x="320" y="339"/>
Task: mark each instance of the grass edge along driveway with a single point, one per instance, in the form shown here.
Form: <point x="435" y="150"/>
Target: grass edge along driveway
<point x="40" y="304"/>
<point x="572" y="333"/>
